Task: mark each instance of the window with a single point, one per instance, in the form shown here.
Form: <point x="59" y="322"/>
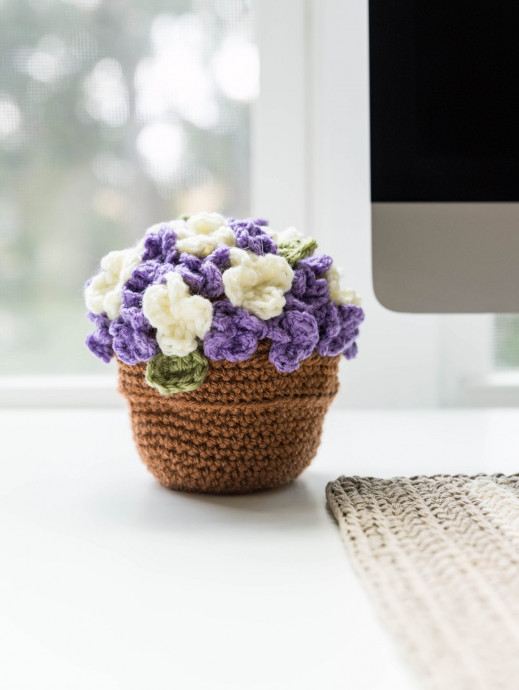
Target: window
<point x="113" y="116"/>
<point x="506" y="342"/>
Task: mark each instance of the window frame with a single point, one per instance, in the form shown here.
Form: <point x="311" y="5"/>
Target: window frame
<point x="303" y="175"/>
<point x="59" y="390"/>
<point x="470" y="378"/>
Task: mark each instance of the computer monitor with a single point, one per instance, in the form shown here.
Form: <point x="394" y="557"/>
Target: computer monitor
<point x="444" y="111"/>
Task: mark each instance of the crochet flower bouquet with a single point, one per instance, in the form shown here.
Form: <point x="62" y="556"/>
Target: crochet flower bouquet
<point x="228" y="337"/>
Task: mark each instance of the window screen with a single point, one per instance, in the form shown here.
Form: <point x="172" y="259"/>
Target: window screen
<point x="114" y="114"/>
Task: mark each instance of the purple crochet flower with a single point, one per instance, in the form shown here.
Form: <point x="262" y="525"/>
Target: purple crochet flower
<point x="234" y="333"/>
<point x="161" y="245"/>
<point x="294" y="335"/>
<point x="351" y="352"/>
<point x="133" y="337"/>
<point x="220" y="257"/>
<point x="144" y="275"/>
<point x="250" y="235"/>
<point x="202" y="277"/>
<point x="308" y="293"/>
<point x="100" y="341"/>
<point x="340" y="330"/>
<point x="319" y="264"/>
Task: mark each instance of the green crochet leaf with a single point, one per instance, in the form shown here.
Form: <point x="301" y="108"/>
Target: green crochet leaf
<point x="176" y="374"/>
<point x="297" y="249"/>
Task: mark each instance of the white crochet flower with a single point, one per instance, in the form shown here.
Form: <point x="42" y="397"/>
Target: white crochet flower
<point x="257" y="283"/>
<point x="338" y="293"/>
<point x="103" y="293"/>
<point x="285" y="235"/>
<point x="202" y="233"/>
<point x="180" y="318"/>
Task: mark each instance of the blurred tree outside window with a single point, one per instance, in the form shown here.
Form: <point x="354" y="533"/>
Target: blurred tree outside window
<point x="114" y="115"/>
<point x="506" y="341"/>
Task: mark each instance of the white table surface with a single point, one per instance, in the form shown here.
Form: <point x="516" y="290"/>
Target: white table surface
<point x="109" y="581"/>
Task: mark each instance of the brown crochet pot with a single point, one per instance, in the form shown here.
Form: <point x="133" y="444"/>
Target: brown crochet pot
<point x="247" y="427"/>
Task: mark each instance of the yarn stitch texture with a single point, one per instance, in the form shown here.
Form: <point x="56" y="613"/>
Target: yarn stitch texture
<point x="247" y="427"/>
<point x="440" y="556"/>
<point x="176" y="374"/>
<point x="297" y="249"/>
<point x="257" y="283"/>
<point x="180" y="318"/>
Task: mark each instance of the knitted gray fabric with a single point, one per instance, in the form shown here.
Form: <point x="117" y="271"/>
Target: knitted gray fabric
<point x="440" y="556"/>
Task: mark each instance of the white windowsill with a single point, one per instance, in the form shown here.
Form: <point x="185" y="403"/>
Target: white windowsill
<point x="496" y="389"/>
<point x="59" y="391"/>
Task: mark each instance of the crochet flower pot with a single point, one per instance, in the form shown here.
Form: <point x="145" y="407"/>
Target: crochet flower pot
<point x="228" y="338"/>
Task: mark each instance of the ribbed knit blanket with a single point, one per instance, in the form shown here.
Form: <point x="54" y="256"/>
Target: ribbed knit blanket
<point x="440" y="556"/>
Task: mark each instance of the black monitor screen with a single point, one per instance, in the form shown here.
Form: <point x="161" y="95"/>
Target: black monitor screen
<point x="444" y="85"/>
